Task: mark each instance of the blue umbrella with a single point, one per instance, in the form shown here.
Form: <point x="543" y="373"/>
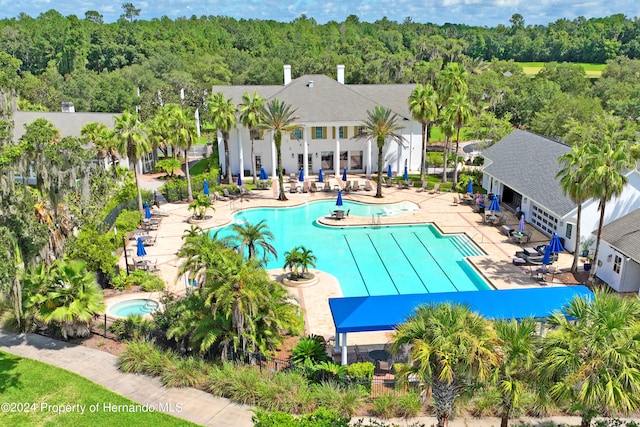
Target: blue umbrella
<point x="405" y="176"/>
<point x="521" y="224"/>
<point x="344" y="174"/>
<point x="140" y="250"/>
<point x="239" y="180"/>
<point x="553" y="247"/>
<point x="389" y="173"/>
<point x="320" y="177"/>
<point x="147" y="211"/>
<point x="470" y="186"/>
<point x="339" y="200"/>
<point x="495" y="205"/>
<point x="263" y="174"/>
<point x="205" y="187"/>
<point x="301" y="176"/>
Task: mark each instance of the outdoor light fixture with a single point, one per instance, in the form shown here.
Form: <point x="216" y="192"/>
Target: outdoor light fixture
<point x="292" y="155"/>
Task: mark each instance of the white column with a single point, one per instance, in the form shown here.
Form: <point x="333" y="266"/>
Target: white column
<point x="305" y="151"/>
<point x="197" y="117"/>
<point x="343" y="356"/>
<point x="240" y="153"/>
<point x="368" y="159"/>
<point x="221" y="152"/>
<point x="336" y="347"/>
<point x="400" y="166"/>
<point x="274" y="160"/>
<point x="336" y="158"/>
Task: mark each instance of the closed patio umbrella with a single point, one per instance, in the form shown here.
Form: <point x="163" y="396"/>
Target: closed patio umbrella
<point x="389" y="173"/>
<point x="147" y="211"/>
<point x="405" y="176"/>
<point x="205" y="187"/>
<point x="140" y="251"/>
<point x="470" y="186"/>
<point x="495" y="204"/>
<point x="521" y="224"/>
<point x="553" y="247"/>
<point x="301" y="176"/>
<point x="339" y="199"/>
<point x="344" y="174"/>
<point x="320" y="177"/>
<point x="239" y="180"/>
<point x="263" y="174"/>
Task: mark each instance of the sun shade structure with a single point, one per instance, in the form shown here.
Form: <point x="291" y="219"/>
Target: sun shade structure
<point x="495" y="204"/>
<point x="140" y="251"/>
<point x="384" y="313"/>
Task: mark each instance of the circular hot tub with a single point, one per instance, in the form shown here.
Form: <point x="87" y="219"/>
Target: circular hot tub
<point x="132" y="307"/>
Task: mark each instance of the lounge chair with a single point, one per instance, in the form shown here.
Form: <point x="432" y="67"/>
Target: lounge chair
<point x="313" y="187"/>
<point x="435" y="189"/>
<point x="244" y="191"/>
<point x="367" y="185"/>
<point x="355" y="186"/>
<point x="456" y="200"/>
<point x="422" y="187"/>
<point x="347" y="187"/>
<point x="327" y="187"/>
<point x="305" y="187"/>
<point x="228" y="195"/>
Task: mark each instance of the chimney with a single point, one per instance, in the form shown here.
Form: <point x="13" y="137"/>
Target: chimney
<point x="341" y="74"/>
<point x="287" y="74"/>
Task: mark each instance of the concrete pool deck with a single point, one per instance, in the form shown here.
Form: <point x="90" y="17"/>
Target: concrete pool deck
<point x="438" y="208"/>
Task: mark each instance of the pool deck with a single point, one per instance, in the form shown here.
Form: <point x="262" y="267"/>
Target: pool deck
<point x="438" y="208"/>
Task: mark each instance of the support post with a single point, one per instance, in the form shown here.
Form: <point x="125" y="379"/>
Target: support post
<point x="343" y="356"/>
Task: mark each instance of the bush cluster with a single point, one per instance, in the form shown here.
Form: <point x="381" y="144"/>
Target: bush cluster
<point x="147" y="281"/>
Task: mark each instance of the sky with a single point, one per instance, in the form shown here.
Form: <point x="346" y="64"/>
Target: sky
<point x="489" y="13"/>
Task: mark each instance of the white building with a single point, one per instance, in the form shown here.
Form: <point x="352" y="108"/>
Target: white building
<point x="619" y="253"/>
<point x="329" y="113"/>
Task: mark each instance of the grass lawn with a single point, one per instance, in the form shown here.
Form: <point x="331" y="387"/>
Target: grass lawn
<point x="32" y="383"/>
<point x="592" y="70"/>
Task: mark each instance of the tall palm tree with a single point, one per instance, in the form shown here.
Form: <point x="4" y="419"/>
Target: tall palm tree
<point x="458" y="113"/>
<point x="223" y="113"/>
<point x="252" y="236"/>
<point x="518" y="342"/>
<point x="424" y="108"/>
<point x="447" y="128"/>
<point x="71" y="299"/>
<point x="298" y="260"/>
<point x="591" y="355"/>
<point x="572" y="175"/>
<point x="250" y="109"/>
<point x="381" y="124"/>
<point x="104" y="142"/>
<point x="452" y="348"/>
<point x="182" y="130"/>
<point x="132" y="142"/>
<point x="607" y="165"/>
<point x="279" y="118"/>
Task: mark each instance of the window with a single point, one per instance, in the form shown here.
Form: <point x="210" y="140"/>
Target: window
<point x="319" y="132"/>
<point x="616" y="264"/>
<point x="357" y="130"/>
<point x="569" y="231"/>
<point x="296" y="134"/>
<point x="258" y="162"/>
<point x="343" y="132"/>
<point x="356" y="160"/>
<point x="344" y="160"/>
<point x="256" y="134"/>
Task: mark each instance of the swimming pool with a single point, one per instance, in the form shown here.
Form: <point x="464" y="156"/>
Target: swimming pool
<point x="381" y="260"/>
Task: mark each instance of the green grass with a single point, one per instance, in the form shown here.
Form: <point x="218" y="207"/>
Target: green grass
<point x="592" y="70"/>
<point x="25" y="381"/>
<point x="199" y="168"/>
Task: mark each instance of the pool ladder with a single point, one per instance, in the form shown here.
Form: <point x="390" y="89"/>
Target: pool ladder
<point x="375" y="221"/>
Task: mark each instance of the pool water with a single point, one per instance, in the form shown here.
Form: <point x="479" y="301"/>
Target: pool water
<point x="372" y="260"/>
<point x="138" y="306"/>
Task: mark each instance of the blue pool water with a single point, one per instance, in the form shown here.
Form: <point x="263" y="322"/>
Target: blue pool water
<point x="370" y="260"/>
<point x="137" y="306"/>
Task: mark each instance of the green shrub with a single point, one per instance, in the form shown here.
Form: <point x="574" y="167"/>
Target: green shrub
<point x="408" y="405"/>
<point x="152" y="283"/>
<point x="321" y="417"/>
<point x="128" y="221"/>
<point x="147" y="281"/>
<point x="361" y="370"/>
<point x="384" y="406"/>
<point x="143" y="357"/>
<point x="189" y="372"/>
<point x="133" y="327"/>
<point x="478" y="161"/>
<point x="310" y="350"/>
<point x="95" y="249"/>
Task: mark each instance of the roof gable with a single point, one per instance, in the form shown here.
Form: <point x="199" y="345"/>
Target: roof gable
<point x="528" y="163"/>
<point x="69" y="124"/>
<point x="624" y="234"/>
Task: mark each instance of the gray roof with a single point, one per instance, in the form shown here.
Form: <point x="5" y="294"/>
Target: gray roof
<point x="69" y="124"/>
<point x="326" y="100"/>
<point x="624" y="234"/>
<point x="528" y="163"/>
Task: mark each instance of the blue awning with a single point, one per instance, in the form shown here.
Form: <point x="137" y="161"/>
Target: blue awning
<point x="383" y="313"/>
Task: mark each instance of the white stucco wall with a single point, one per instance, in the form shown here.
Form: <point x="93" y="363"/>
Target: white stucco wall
<point x="627" y="280"/>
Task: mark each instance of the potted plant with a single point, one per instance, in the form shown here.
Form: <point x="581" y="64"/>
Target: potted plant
<point x="199" y="206"/>
<point x="585" y="245"/>
<point x="587" y="264"/>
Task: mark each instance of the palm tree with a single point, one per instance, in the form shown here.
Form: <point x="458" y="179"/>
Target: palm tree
<point x="182" y="130"/>
<point x="278" y="117"/>
<point x="452" y="348"/>
<point x="250" y="117"/>
<point x="255" y="235"/>
<point x="71" y="299"/>
<point x="223" y="113"/>
<point x="572" y="175"/>
<point x="382" y="124"/>
<point x="104" y="142"/>
<point x="298" y="261"/>
<point x="447" y="128"/>
<point x="200" y="205"/>
<point x="424" y="108"/>
<point x="132" y="142"/>
<point x="591" y="355"/>
<point x="514" y="371"/>
<point x="608" y="162"/>
<point x="458" y="113"/>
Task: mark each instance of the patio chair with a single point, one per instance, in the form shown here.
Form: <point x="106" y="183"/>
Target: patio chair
<point x="347" y="187"/>
<point x="244" y="191"/>
<point x="153" y="268"/>
<point x="367" y="185"/>
<point x="422" y="187"/>
<point x="305" y="187"/>
<point x="360" y="357"/>
<point x="355" y="186"/>
<point x="384" y="367"/>
<point x="435" y="189"/>
<point x="226" y="193"/>
<point x="313" y="187"/>
<point x="222" y="197"/>
<point x="327" y="187"/>
<point x="456" y="200"/>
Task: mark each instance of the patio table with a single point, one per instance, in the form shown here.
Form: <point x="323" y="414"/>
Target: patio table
<point x="379" y="355"/>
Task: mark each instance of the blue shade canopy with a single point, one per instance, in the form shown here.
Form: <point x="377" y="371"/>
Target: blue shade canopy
<point x="553" y="247"/>
<point x="320" y="176"/>
<point x="344" y="174"/>
<point x="263" y="174"/>
<point x="339" y="200"/>
<point x="389" y="173"/>
<point x="385" y="312"/>
<point x="140" y="251"/>
<point x="301" y="176"/>
<point x="205" y="187"/>
<point x="147" y="211"/>
<point x="521" y="224"/>
<point x="495" y="205"/>
<point x="470" y="186"/>
<point x="239" y="180"/>
<point x="405" y="176"/>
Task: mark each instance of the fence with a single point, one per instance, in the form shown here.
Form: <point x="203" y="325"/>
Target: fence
<point x="110" y="219"/>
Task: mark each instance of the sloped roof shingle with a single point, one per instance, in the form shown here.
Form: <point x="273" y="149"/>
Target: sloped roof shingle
<point x="624" y="234"/>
